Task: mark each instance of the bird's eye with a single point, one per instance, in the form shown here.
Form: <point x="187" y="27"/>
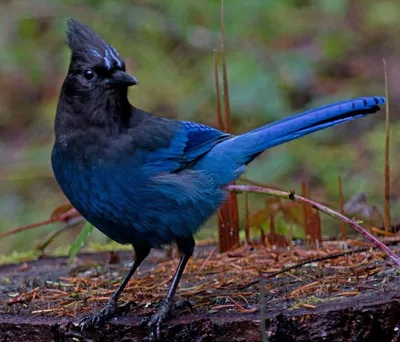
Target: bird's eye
<point x="88" y="74"/>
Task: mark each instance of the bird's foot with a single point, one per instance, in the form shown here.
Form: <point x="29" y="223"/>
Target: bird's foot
<point x="157" y="320"/>
<point x="184" y="304"/>
<point x="100" y="317"/>
<point x="162" y="314"/>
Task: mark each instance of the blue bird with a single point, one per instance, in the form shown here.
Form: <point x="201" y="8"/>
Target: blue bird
<point x="149" y="181"/>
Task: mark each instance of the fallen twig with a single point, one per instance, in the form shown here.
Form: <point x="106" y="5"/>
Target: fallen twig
<point x="292" y="196"/>
<point x="63" y="217"/>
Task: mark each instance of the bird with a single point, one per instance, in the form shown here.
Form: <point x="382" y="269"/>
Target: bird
<point x="151" y="181"/>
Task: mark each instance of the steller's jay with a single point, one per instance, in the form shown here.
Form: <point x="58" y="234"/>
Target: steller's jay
<point x="146" y="180"/>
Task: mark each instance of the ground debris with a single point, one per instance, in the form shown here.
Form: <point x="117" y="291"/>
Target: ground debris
<point x="222" y="287"/>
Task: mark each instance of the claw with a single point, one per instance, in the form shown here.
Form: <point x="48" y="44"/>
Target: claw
<point x="89" y="321"/>
<point x="184" y="304"/>
<point x="100" y="317"/>
<point x="157" y="320"/>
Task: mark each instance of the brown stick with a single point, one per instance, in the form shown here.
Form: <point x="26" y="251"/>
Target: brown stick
<point x="225" y="74"/>
<point x="292" y="196"/>
<point x="387" y="159"/>
<point x="217" y="93"/>
<point x="341" y="202"/>
<point x="64" y="217"/>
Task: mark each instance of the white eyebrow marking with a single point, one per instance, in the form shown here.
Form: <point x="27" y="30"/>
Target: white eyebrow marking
<point x="95" y="53"/>
<point x="114" y="55"/>
<point x="114" y="49"/>
<point x="107" y="59"/>
<point x="111" y="56"/>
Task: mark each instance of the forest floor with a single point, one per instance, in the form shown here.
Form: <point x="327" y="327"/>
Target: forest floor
<point x="350" y="297"/>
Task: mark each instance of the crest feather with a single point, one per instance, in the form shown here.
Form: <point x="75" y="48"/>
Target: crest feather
<point x="83" y="41"/>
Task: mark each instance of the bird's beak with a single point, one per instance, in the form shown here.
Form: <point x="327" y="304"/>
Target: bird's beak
<point x="122" y="78"/>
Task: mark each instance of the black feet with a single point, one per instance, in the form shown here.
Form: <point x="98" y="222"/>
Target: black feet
<point x="157" y="320"/>
<point x="100" y="317"/>
<point x="161" y="316"/>
<point x="184" y="304"/>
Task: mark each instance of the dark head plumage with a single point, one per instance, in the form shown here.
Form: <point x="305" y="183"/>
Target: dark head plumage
<point x="95" y="89"/>
<point x="87" y="44"/>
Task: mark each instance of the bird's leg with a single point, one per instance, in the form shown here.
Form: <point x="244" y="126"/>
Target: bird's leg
<point x="111" y="308"/>
<point x="186" y="248"/>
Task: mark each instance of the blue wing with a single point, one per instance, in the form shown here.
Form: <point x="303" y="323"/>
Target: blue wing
<point x="200" y="140"/>
<point x="190" y="141"/>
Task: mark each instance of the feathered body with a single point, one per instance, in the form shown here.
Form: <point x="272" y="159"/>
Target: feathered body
<point x="132" y="184"/>
<point x="146" y="180"/>
<point x="150" y="180"/>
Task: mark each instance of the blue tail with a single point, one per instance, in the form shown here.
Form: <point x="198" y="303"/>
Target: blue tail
<point x="276" y="133"/>
<point x="228" y="159"/>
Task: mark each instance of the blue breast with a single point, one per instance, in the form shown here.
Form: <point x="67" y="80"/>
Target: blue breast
<point x="136" y="204"/>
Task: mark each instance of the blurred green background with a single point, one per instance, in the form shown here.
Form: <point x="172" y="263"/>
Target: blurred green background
<point x="283" y="56"/>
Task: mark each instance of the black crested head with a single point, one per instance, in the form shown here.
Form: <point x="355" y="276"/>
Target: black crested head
<point x="87" y="44"/>
<point x="95" y="88"/>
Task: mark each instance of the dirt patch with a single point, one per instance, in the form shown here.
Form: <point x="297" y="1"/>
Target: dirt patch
<point x="351" y="298"/>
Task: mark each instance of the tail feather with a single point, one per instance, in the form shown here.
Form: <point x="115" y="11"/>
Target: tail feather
<point x="254" y="142"/>
<point x="228" y="159"/>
